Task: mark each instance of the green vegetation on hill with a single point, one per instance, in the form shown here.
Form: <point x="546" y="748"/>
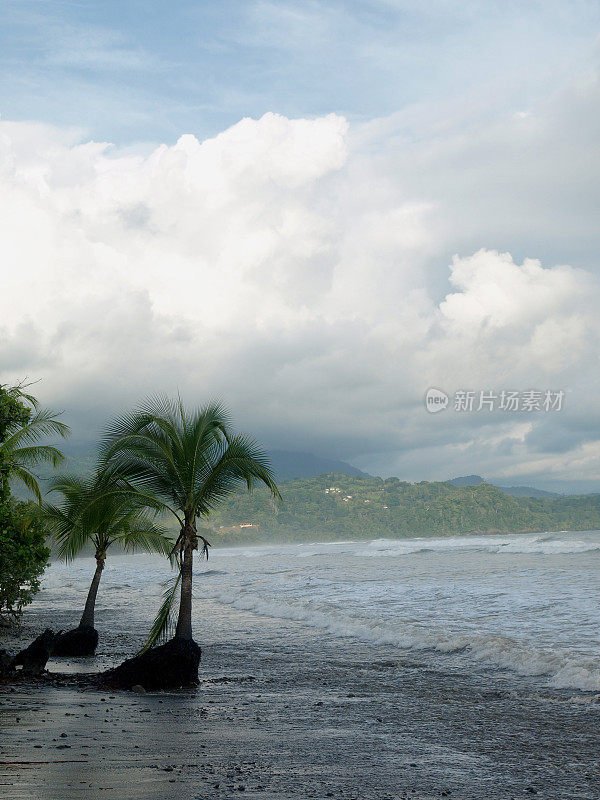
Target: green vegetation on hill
<point x="335" y="506"/>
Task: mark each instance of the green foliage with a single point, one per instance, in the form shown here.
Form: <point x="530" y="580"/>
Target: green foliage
<point x="12" y="410"/>
<point x="99" y="509"/>
<point x="182" y="462"/>
<point x="13" y="414"/>
<point x="23" y="551"/>
<point x="185" y="463"/>
<point x="163" y="627"/>
<point x="23" y="555"/>
<point x="22" y="427"/>
<point x="336" y="506"/>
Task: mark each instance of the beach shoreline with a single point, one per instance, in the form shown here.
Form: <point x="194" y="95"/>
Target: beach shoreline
<point x="286" y="711"/>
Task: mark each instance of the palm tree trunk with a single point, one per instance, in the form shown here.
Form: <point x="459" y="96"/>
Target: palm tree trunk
<point x="184" y="620"/>
<point x="174" y="663"/>
<point x="87" y="617"/>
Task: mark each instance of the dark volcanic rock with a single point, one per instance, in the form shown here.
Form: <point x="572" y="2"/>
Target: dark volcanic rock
<point x="6" y="664"/>
<point x="33" y="659"/>
<point x="170" y="666"/>
<point x="81" y="641"/>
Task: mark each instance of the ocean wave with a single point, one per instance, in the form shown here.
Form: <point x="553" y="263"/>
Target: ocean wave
<point x="548" y="547"/>
<point x="542" y="544"/>
<point x="525" y="602"/>
<point x="560" y="668"/>
<point x="512" y="543"/>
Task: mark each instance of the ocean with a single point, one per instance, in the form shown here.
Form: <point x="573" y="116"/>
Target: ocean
<point x="524" y="604"/>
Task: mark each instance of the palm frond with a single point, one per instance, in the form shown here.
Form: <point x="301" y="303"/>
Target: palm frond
<point x="67" y="483"/>
<point x="36" y="454"/>
<point x="241" y="462"/>
<point x="142" y="498"/>
<point x="43" y="423"/>
<point x="18" y="392"/>
<point x="146" y="537"/>
<point x="205" y="543"/>
<point x="190" y="462"/>
<point x="21" y="449"/>
<point x="163" y="626"/>
<point x="30" y="481"/>
<point x="69" y="533"/>
<point x="103" y="508"/>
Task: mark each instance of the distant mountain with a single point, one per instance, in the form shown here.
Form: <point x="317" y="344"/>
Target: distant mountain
<point x="289" y="465"/>
<point x="335" y="506"/>
<point x="515" y="491"/>
<point x="526" y="491"/>
<point x="466" y="480"/>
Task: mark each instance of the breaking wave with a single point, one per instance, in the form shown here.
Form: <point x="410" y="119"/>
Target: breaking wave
<point x="522" y="602"/>
<point x="559" y="668"/>
<point x="544" y="544"/>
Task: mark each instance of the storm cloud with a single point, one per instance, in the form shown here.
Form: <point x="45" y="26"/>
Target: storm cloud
<point x="320" y="276"/>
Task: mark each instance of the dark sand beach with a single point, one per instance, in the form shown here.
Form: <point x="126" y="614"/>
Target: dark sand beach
<point x="321" y="717"/>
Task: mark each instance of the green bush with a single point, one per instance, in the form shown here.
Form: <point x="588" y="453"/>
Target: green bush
<point x="23" y="555"/>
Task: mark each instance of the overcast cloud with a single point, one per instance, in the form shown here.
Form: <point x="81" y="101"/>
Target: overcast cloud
<point x="319" y="273"/>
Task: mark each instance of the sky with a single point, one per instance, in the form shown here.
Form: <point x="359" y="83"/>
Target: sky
<point x="316" y="211"/>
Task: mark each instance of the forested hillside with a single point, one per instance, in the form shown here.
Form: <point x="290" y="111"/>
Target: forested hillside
<point x="336" y="506"/>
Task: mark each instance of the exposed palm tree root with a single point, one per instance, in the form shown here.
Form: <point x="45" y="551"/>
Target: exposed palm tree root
<point x="170" y="666"/>
<point x="81" y="641"/>
<point x="33" y="659"/>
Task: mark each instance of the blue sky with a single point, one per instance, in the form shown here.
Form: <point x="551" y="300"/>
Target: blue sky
<point x="137" y="71"/>
<point x="315" y="210"/>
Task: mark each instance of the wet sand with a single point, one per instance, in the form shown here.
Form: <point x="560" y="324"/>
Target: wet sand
<point x="311" y="715"/>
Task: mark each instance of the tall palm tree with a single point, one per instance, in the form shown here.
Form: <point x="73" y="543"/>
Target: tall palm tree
<point x="94" y="511"/>
<point x="20" y="449"/>
<point x="185" y="463"/>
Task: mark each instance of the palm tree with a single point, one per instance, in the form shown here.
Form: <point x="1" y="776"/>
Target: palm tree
<point x="94" y="511"/>
<point x="184" y="463"/>
<point x="20" y="449"/>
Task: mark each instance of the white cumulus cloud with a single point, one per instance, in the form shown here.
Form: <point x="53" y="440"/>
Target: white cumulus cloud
<point x="274" y="265"/>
